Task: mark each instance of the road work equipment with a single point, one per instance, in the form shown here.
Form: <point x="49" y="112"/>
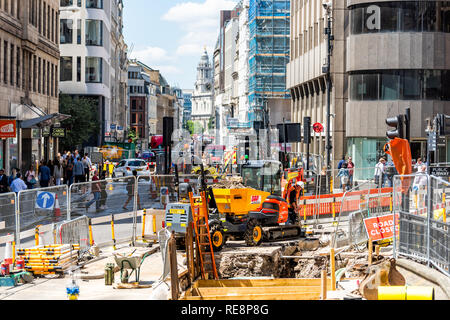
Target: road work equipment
<point x="379" y="274"/>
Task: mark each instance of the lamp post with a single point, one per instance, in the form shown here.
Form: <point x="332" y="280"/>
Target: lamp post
<point x="327" y="70"/>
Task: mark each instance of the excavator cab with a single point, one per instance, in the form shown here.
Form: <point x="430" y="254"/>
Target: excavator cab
<point x="263" y="175"/>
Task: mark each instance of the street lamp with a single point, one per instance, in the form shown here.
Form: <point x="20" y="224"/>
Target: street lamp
<point x="327" y="69"/>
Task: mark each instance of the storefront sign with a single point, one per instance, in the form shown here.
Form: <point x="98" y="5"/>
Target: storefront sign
<point x="58" y="132"/>
<point x="7" y="129"/>
<point x="46" y="132"/>
<point x="382" y="227"/>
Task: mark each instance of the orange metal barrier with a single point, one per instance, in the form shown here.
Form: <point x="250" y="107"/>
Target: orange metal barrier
<point x="331" y="204"/>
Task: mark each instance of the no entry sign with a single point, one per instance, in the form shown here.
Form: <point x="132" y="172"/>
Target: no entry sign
<point x="382" y="227"/>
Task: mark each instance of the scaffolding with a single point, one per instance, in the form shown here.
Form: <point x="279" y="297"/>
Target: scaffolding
<point x="269" y="24"/>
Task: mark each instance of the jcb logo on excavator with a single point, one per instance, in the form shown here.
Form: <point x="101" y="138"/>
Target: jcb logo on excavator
<point x="255" y="200"/>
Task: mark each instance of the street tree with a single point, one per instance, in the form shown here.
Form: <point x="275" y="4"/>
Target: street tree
<point x="83" y="125"/>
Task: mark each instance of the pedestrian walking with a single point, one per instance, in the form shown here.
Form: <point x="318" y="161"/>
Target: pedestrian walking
<point x="13" y="175"/>
<point x="18" y="184"/>
<point x="52" y="177"/>
<point x="87" y="164"/>
<point x="351" y="171"/>
<point x="130" y="190"/>
<point x="69" y="170"/>
<point x="343" y="174"/>
<point x="3" y="182"/>
<point x="379" y="174"/>
<point x="30" y="177"/>
<point x="57" y="171"/>
<point x="96" y="190"/>
<point x="44" y="175"/>
<point x="341" y="163"/>
<point x="78" y="171"/>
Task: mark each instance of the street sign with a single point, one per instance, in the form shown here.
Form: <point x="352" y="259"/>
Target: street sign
<point x="432" y="141"/>
<point x="45" y="200"/>
<point x="318" y="128"/>
<point x="58" y="132"/>
<point x="46" y="132"/>
<point x="113" y="127"/>
<point x="382" y="227"/>
<point x="7" y="129"/>
<point x="119" y="128"/>
<point x="440" y="171"/>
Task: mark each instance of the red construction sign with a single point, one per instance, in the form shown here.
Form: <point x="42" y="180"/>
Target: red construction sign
<point x="7" y="129"/>
<point x="382" y="227"/>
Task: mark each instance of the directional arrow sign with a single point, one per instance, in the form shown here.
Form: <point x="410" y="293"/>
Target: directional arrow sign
<point x="45" y="200"/>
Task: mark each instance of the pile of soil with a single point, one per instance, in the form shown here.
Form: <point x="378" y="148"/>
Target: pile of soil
<point x="230" y="183"/>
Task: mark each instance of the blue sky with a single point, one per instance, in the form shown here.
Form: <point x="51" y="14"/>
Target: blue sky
<point x="169" y="35"/>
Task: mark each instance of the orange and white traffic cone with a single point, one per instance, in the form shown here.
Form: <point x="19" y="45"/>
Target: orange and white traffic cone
<point x="8" y="252"/>
<point x="57" y="210"/>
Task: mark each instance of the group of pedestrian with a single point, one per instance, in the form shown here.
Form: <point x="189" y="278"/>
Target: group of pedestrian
<point x="345" y="174"/>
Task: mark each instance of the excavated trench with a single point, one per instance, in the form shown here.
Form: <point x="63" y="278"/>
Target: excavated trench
<point x="270" y="261"/>
<point x="279" y="261"/>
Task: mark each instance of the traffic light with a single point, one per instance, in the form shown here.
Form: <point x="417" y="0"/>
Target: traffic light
<point x="307" y="129"/>
<point x="247" y="147"/>
<point x="397" y="123"/>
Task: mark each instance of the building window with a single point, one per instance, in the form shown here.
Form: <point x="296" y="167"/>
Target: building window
<point x="66" y="69"/>
<point x="66" y="27"/>
<point x="18" y="68"/>
<point x="11" y="60"/>
<point x="35" y="71"/>
<point x="400" y="85"/>
<point x="400" y="16"/>
<point x="39" y="75"/>
<point x="94" y="70"/>
<point x="94" y="33"/>
<point x="79" y="69"/>
<point x="94" y="4"/>
<point x="66" y="3"/>
<point x="79" y="31"/>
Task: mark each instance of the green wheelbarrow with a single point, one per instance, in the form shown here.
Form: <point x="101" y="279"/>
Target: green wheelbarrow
<point x="132" y="263"/>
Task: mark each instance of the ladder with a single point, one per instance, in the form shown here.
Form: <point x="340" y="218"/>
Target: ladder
<point x="203" y="237"/>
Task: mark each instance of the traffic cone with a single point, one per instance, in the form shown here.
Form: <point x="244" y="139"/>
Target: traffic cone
<point x="57" y="207"/>
<point x="8" y="252"/>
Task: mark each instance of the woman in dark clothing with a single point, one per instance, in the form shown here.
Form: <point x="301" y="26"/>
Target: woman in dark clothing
<point x="69" y="171"/>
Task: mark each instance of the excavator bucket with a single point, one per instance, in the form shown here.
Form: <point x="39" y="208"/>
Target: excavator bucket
<point x="380" y="274"/>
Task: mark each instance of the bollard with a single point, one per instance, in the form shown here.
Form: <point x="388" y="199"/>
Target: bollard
<point x="112" y="232"/>
<point x="91" y="238"/>
<point x="13" y="252"/>
<point x="444" y="212"/>
<point x="36" y="235"/>
<point x="405" y="293"/>
<point x="369" y="258"/>
<point x="391" y="204"/>
<point x="333" y="269"/>
<point x="304" y="210"/>
<point x="144" y="214"/>
<point x="154" y="226"/>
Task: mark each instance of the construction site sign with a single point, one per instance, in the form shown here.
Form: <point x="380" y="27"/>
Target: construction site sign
<point x="382" y="227"/>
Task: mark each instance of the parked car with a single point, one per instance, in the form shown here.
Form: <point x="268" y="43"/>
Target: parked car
<point x="126" y="167"/>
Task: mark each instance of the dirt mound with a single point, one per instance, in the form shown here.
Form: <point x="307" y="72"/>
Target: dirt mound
<point x="230" y="183"/>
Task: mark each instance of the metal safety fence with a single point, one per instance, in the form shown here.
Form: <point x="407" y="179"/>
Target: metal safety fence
<point x="8" y="202"/>
<point x="422" y="206"/>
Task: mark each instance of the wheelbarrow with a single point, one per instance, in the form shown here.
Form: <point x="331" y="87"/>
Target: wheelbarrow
<point x="132" y="263"/>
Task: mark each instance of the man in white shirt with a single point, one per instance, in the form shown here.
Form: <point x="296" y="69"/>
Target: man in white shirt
<point x="18" y="184"/>
<point x="379" y="172"/>
<point x="87" y="166"/>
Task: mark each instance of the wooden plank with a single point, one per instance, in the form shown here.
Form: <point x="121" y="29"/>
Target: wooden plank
<point x="257" y="283"/>
<point x="267" y="296"/>
<point x="254" y="290"/>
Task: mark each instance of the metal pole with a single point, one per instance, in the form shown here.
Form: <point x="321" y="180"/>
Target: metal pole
<point x="329" y="146"/>
<point x="429" y="213"/>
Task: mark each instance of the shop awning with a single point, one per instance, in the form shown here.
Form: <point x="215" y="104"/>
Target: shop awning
<point x="44" y="121"/>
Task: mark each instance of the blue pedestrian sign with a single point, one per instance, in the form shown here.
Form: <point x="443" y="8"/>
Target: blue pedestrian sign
<point x="45" y="200"/>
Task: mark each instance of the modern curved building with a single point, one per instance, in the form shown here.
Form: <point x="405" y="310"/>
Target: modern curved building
<point x="387" y="56"/>
<point x="93" y="58"/>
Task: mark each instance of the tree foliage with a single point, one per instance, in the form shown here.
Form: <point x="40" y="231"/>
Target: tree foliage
<point x="83" y="124"/>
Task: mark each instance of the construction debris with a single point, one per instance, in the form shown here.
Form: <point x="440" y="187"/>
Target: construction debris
<point x="230" y="183"/>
